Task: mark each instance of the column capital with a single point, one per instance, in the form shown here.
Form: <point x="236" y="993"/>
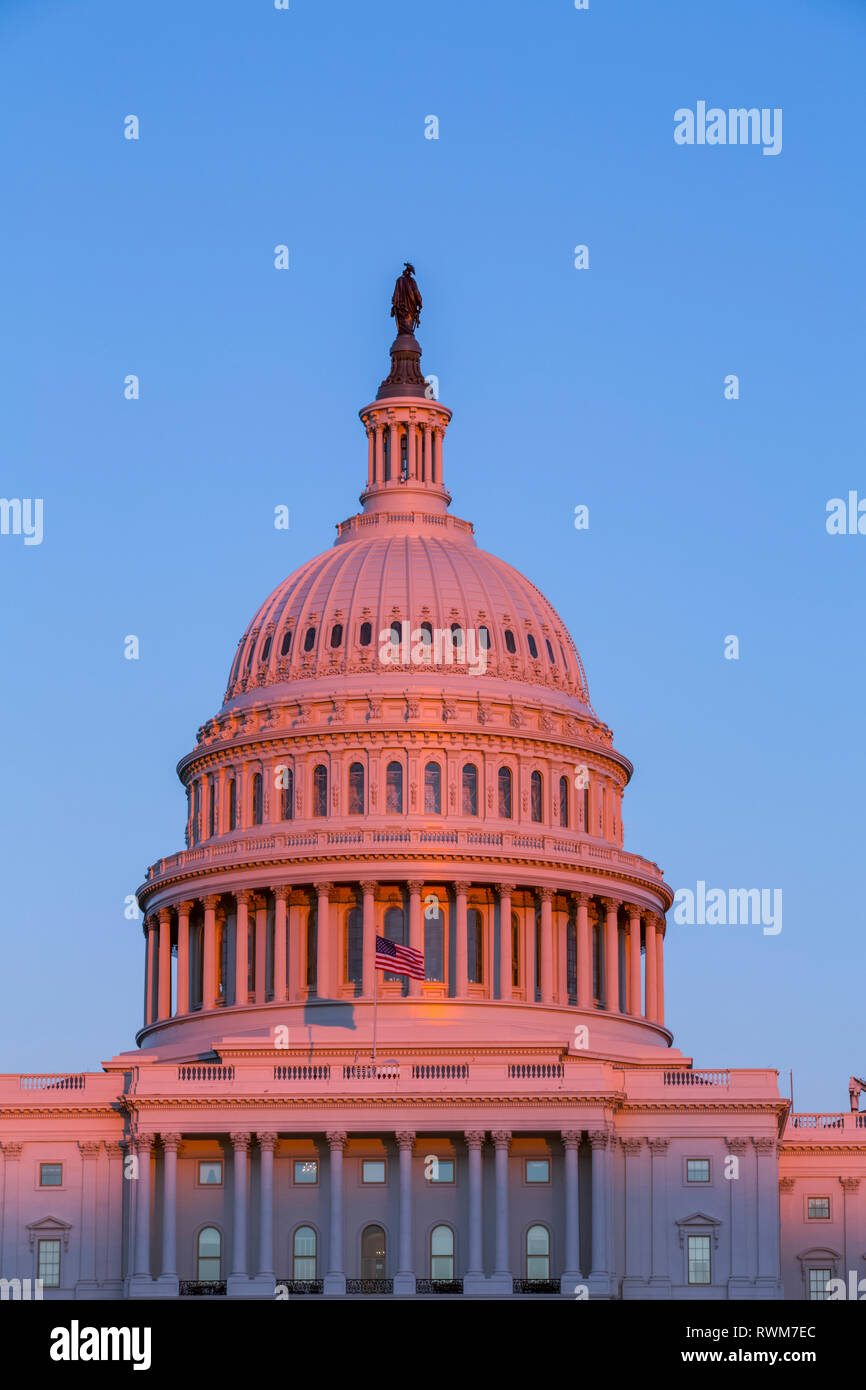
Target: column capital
<point x="267" y="1141"/>
<point x="283" y="892"/>
<point x="415" y="885"/>
<point x="11" y="1151"/>
<point x="571" y="1138"/>
<point x="765" y="1145"/>
<point x="850" y="1184"/>
<point x="240" y="1142"/>
<point x="244" y="896"/>
<point x="547" y="894"/>
<point x="143" y="1143"/>
<point x="501" y="1139"/>
<point x="610" y="904"/>
<point x="164" y="916"/>
<point x="151" y="922"/>
<point x="599" y="1138"/>
<point x="631" y="1144"/>
<point x="405" y="1139"/>
<point x="258" y="901"/>
<point x="633" y="910"/>
<point x="324" y="889"/>
<point x="89" y="1148"/>
<point x="461" y="886"/>
<point x="337" y="1139"/>
<point x="186" y="906"/>
<point x="475" y="1138"/>
<point x="737" y="1145"/>
<point x="786" y="1184"/>
<point x="212" y="901"/>
<point x="368" y="887"/>
<point x="171" y="1141"/>
<point x="657" y="1145"/>
<point x="505" y="890"/>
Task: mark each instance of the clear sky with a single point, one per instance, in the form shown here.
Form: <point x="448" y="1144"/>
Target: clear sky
<point x="602" y="387"/>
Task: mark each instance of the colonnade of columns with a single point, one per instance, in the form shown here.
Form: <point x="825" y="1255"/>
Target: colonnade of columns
<point x="601" y="1142"/>
<point x="424" y="447"/>
<point x="556" y="948"/>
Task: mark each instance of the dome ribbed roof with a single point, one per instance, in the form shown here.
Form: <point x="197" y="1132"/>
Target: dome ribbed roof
<point x="325" y="620"/>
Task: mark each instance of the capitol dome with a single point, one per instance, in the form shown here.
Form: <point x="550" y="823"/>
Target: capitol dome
<point x="406" y="752"/>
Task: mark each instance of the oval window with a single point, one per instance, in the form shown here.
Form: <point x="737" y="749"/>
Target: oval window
<point x="336" y="634"/>
<point x="510" y="644"/>
<point x="366" y="635"/>
<point x="286" y="646"/>
<point x="533" y="650"/>
<point x="309" y="639"/>
<point x="266" y="648"/>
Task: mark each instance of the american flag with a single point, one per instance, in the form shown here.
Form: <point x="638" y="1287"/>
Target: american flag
<point x="399" y="960"/>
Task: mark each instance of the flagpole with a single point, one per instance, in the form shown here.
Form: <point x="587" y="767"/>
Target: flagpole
<point x="375" y="1002"/>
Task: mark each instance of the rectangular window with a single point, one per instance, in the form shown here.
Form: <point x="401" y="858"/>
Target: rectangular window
<point x="818" y="1281"/>
<point x="442" y="1170"/>
<point x="699" y="1259"/>
<point x="306" y="1170"/>
<point x="819" y="1209"/>
<point x="210" y="1173"/>
<point x="373" y="1170"/>
<point x="51" y="1175"/>
<point x="537" y="1169"/>
<point x="48" y="1265"/>
<point x="697" y="1170"/>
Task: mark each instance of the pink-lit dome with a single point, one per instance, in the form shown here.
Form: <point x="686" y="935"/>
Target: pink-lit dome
<point x="326" y="619"/>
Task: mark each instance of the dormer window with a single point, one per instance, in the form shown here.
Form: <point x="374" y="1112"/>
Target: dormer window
<point x="286" y="646"/>
<point x="309" y="639"/>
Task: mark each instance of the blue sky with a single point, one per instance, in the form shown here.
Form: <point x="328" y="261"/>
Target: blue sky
<point x="602" y="387"/>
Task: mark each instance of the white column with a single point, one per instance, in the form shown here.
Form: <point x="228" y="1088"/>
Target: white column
<point x="767" y="1211"/>
<point x="501" y="1263"/>
<point x="404" y="1279"/>
<point x="600" y="1274"/>
<point x="267" y="1144"/>
<point x="475" y="1272"/>
<point x="89" y="1151"/>
<point x="651" y="981"/>
<point x="335" y="1279"/>
<point x="240" y="1144"/>
<point x="170" y="1146"/>
<point x="661" y="1274"/>
<point x="572" y="1274"/>
<point x="141" y="1267"/>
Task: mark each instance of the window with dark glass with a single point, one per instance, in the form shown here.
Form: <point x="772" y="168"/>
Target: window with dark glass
<point x="257" y="798"/>
<point x="432" y="789"/>
<point x="510" y="644"/>
<point x="266" y="647"/>
<point x="310" y="974"/>
<point x="457" y="638"/>
<point x="818" y="1208"/>
<point x="336" y="634"/>
<point x="309" y="639"/>
<point x="287" y="794"/>
<point x="394" y="927"/>
<point x="434" y="942"/>
<point x="320" y="790"/>
<point x="286" y="645"/>
<point x="365" y="636"/>
<point x="475" y="944"/>
<point x="586" y="809"/>
<point x="484" y="643"/>
<point x="394" y="788"/>
<point x="571" y="959"/>
<point x="427" y="638"/>
<point x="356" y="789"/>
<point x="504" y="783"/>
<point x="233" y="804"/>
<point x="563" y="802"/>
<point x="470" y="790"/>
<point x="530" y="642"/>
<point x="355" y="946"/>
<point x="196" y="813"/>
<point x="211" y="807"/>
<point x="515" y="951"/>
<point x="550" y="651"/>
<point x="535" y="789"/>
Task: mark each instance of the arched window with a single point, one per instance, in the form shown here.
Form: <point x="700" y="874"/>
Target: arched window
<point x="196" y="813"/>
<point x="286" y="644"/>
<point x="386" y="454"/>
<point x="505" y="793"/>
<point x="233" y="804"/>
<point x="475" y="945"/>
<point x="535" y="791"/>
<point x="256" y="807"/>
<point x="211" y="807"/>
<point x="470" y="790"/>
<point x="266" y="647"/>
<point x="442" y="1253"/>
<point x="320" y="790"/>
<point x="394" y="926"/>
<point x="434" y="941"/>
<point x="287" y="793"/>
<point x="563" y="802"/>
<point x="356" y="789"/>
<point x="571" y="960"/>
<point x="530" y="642"/>
<point x="432" y="790"/>
<point x="394" y="789"/>
<point x="309" y="639"/>
<point x="538" y="1253"/>
<point x="550" y="651"/>
<point x="354" y="946"/>
<point x="586" y="810"/>
<point x="510" y="644"/>
<point x="373" y="1253"/>
<point x="515" y="951"/>
<point x="208" y="1255"/>
<point x="337" y="635"/>
<point x="365" y="636"/>
<point x="484" y="643"/>
<point x="304" y="1254"/>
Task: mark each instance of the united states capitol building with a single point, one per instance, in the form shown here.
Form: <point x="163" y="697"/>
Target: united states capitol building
<point x="515" y="1124"/>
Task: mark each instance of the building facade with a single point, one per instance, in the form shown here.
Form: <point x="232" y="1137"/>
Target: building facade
<point x="407" y="749"/>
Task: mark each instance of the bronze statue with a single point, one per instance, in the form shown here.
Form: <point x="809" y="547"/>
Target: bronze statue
<point x="406" y="301"/>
